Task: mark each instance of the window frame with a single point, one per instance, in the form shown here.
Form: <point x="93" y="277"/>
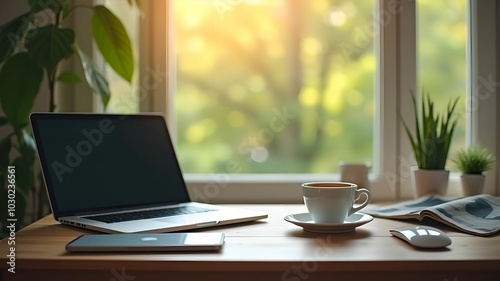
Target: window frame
<point x="396" y="48"/>
<point x="483" y="102"/>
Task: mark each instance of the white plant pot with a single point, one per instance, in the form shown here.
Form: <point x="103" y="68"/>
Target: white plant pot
<point x="472" y="184"/>
<point x="426" y="182"/>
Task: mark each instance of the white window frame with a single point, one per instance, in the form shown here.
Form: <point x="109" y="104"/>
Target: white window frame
<point x="484" y="83"/>
<point x="396" y="47"/>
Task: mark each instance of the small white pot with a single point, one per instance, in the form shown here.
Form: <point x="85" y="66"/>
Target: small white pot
<point x="472" y="184"/>
<point x="427" y="182"/>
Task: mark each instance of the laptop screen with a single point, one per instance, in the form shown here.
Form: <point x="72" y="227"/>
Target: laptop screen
<point x="95" y="162"/>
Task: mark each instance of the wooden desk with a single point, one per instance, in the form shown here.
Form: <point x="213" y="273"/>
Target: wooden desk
<point x="271" y="249"/>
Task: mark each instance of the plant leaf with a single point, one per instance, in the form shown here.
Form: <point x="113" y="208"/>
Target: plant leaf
<point x="5" y="147"/>
<point x="418" y="133"/>
<point x="11" y="33"/>
<point x="69" y="77"/>
<point x="113" y="42"/>
<point x="433" y="133"/>
<point x="20" y="79"/>
<point x="63" y="2"/>
<point x="94" y="78"/>
<point x="50" y="44"/>
<point x="40" y="5"/>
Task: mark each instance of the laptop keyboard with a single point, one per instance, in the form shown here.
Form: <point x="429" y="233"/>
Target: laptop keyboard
<point x="148" y="214"/>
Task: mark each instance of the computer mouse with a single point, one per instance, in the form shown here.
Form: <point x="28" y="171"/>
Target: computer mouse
<point x="422" y="236"/>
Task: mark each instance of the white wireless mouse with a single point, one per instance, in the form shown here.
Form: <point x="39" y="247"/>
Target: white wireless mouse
<point x="422" y="236"/>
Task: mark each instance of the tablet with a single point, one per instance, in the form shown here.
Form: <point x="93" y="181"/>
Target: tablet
<point x="143" y="242"/>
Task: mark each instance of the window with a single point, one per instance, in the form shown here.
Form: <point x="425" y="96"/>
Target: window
<point x="442" y="64"/>
<point x="273" y="86"/>
<point x="197" y="107"/>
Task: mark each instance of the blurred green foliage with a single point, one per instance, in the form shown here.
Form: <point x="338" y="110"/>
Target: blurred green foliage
<point x="288" y="86"/>
<point x="442" y="37"/>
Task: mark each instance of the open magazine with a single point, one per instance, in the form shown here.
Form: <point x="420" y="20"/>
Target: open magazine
<point x="477" y="215"/>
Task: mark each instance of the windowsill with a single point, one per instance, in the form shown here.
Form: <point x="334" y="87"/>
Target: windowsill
<point x="281" y="188"/>
<point x="262" y="178"/>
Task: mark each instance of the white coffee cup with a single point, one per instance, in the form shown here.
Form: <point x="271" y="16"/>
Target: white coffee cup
<point x="333" y="202"/>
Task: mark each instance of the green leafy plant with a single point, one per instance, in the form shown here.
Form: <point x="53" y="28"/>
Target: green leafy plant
<point x="30" y="49"/>
<point x="433" y="133"/>
<point x="474" y="160"/>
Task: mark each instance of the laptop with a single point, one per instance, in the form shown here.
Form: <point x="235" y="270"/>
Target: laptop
<point x="119" y="174"/>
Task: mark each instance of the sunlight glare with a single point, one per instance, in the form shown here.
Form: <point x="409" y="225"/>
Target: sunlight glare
<point x="245" y="38"/>
<point x="311" y="45"/>
<point x="191" y="21"/>
<point x="308" y="96"/>
<point x="337" y="17"/>
<point x="260" y="154"/>
<point x="196" y="132"/>
<point x="196" y="44"/>
<point x="333" y="101"/>
<point x="320" y="6"/>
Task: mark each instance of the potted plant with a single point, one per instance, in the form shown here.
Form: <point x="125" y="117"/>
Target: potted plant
<point x="33" y="50"/>
<point x="472" y="163"/>
<point x="431" y="143"/>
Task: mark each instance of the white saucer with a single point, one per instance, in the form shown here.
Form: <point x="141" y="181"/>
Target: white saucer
<point x="304" y="220"/>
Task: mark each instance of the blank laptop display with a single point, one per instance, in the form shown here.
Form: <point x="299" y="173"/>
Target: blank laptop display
<point x="114" y="173"/>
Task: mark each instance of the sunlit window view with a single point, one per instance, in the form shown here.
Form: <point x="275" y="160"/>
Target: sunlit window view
<point x="442" y="40"/>
<point x="273" y="86"/>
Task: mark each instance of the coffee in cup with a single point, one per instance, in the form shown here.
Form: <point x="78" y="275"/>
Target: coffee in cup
<point x="333" y="202"/>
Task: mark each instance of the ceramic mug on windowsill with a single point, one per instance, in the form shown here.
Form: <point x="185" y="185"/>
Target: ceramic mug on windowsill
<point x="356" y="173"/>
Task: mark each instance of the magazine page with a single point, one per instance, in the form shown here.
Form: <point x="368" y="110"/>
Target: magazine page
<point x="478" y="215"/>
<point x="409" y="209"/>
